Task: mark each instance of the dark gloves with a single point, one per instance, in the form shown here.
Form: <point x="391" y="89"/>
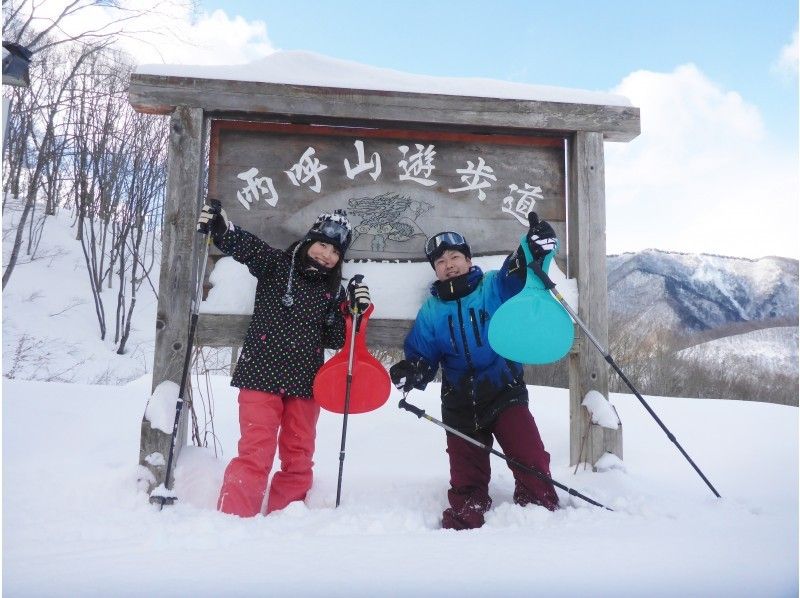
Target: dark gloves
<point x="411" y="373"/>
<point x="358" y="295"/>
<point x="541" y="236"/>
<point x="213" y="218"/>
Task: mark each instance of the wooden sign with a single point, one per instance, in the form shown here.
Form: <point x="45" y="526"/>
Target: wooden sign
<point x="398" y="186"/>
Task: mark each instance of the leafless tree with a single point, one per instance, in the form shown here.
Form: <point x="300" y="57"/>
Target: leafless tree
<point x="75" y="135"/>
<point x="144" y="191"/>
<point x="47" y="97"/>
<point x="118" y="172"/>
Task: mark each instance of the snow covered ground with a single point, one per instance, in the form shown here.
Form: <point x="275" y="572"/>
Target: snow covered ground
<point x="75" y="523"/>
<point x="50" y="327"/>
<point x="766" y="350"/>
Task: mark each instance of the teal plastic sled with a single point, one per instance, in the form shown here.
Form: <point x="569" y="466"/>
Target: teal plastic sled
<point x="532" y="327"/>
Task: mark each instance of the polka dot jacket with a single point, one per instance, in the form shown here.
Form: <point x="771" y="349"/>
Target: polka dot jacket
<point x="283" y="348"/>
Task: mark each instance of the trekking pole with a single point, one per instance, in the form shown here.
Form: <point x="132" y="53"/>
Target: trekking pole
<point x="421" y="414"/>
<point x="355" y="315"/>
<point x="168" y="498"/>
<point x="536" y="266"/>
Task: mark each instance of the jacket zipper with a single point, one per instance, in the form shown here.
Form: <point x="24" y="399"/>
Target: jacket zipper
<point x="468" y="356"/>
<point x="475" y="327"/>
<point x="452" y="333"/>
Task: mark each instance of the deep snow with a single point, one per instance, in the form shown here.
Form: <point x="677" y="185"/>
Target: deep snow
<point x="75" y="523"/>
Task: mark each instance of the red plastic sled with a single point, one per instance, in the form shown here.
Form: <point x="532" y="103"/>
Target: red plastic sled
<point x="370" y="384"/>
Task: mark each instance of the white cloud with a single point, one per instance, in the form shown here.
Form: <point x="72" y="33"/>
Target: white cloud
<point x="211" y="39"/>
<point x="168" y="31"/>
<point x="702" y="176"/>
<point x="789" y="58"/>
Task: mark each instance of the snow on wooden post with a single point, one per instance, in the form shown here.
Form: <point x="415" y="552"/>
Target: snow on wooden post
<point x="406" y="162"/>
<point x="177" y="278"/>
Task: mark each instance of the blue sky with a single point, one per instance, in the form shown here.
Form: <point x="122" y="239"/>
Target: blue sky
<point x="571" y="43"/>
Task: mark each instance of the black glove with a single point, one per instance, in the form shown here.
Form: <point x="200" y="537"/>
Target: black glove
<point x="403" y="374"/>
<point x="358" y="295"/>
<point x="541" y="236"/>
<point x="410" y="373"/>
<point x="213" y="218"/>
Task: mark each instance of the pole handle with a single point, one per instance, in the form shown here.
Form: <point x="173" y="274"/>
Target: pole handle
<point x="535" y="264"/>
<point x="412" y="408"/>
<point x="354" y="311"/>
<point x="216" y="208"/>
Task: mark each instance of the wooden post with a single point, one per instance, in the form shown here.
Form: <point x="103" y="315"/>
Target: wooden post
<point x="586" y="223"/>
<point x="178" y="275"/>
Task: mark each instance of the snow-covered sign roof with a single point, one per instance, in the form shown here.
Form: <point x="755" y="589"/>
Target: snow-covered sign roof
<point x="304" y="83"/>
<point x="309" y="68"/>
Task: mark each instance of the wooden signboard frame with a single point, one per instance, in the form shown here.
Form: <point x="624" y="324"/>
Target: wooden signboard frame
<point x="194" y="103"/>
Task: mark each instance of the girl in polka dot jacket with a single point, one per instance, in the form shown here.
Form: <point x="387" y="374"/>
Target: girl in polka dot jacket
<point x="298" y="311"/>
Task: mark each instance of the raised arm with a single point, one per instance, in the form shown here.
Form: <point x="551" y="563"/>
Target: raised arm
<point x="236" y="242"/>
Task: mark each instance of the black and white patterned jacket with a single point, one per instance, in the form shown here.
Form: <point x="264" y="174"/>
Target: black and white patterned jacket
<point x="284" y="346"/>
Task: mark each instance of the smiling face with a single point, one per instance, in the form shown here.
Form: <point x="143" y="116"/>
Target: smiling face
<point x="450" y="264"/>
<point x="324" y="253"/>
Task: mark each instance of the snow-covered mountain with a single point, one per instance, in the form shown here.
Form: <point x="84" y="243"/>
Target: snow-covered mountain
<point x="699" y="296"/>
<point x="728" y="325"/>
<point x="764" y="350"/>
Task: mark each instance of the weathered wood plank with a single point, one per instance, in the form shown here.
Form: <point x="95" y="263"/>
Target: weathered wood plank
<point x="481" y="185"/>
<point x="587" y="245"/>
<point x="178" y="274"/>
<point x="217" y="330"/>
<point x="160" y="94"/>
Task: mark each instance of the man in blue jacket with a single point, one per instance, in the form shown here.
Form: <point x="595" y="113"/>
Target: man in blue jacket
<point x="483" y="394"/>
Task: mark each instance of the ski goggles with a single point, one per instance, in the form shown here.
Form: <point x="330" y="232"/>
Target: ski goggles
<point x="335" y="231"/>
<point x="445" y="239"/>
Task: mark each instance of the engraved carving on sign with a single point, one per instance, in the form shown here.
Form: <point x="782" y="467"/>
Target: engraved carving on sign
<point x="255" y="189"/>
<point x="388" y="216"/>
<point x="305" y="169"/>
<point x="374" y="164"/>
<point x="397" y="186"/>
<point x="476" y="178"/>
<point x="419" y="163"/>
<point x="524" y="203"/>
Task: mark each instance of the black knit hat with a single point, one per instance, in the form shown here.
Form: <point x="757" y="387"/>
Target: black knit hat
<point x="332" y="228"/>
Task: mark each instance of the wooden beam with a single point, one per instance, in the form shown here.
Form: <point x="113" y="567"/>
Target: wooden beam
<point x="302" y="103"/>
<point x="586" y="223"/>
<point x="178" y="274"/>
<point x="218" y="330"/>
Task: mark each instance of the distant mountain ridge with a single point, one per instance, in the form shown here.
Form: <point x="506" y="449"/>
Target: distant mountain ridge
<point x="706" y="325"/>
<point x="700" y="294"/>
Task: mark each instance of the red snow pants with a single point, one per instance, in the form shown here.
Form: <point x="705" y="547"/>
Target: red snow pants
<point x="267" y="422"/>
<point x="470" y="471"/>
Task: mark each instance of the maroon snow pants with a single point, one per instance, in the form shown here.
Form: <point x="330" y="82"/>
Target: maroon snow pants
<point x="269" y="422"/>
<point x="518" y="436"/>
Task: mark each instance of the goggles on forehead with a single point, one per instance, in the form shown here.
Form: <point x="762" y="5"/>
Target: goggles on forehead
<point x="336" y="231"/>
<point x="445" y="239"/>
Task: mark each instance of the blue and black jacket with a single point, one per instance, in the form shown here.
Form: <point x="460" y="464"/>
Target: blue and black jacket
<point x="451" y="330"/>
